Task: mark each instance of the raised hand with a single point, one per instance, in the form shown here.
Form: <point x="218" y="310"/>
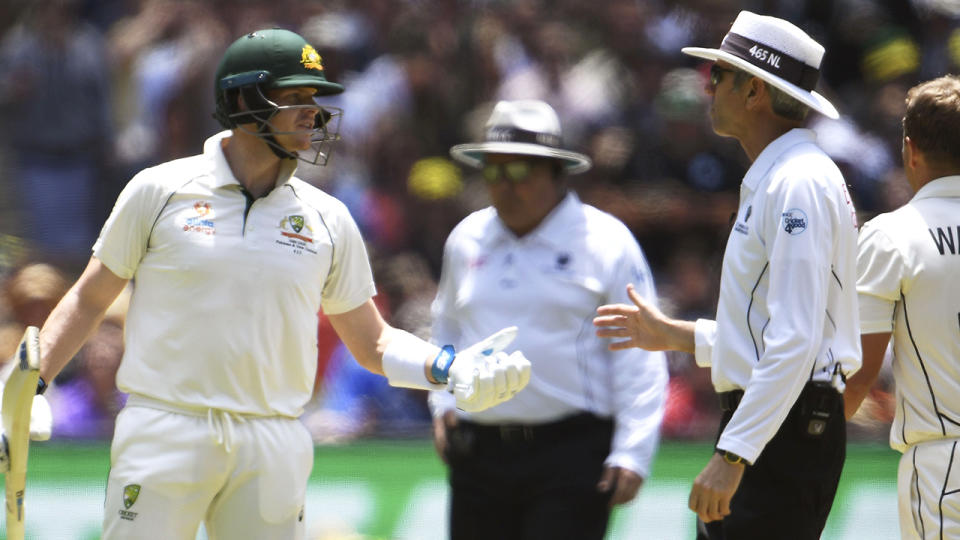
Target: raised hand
<point x="641" y="325"/>
<point x="482" y="375"/>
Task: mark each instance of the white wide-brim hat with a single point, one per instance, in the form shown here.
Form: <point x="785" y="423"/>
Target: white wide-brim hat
<point x="526" y="128"/>
<point x="777" y="52"/>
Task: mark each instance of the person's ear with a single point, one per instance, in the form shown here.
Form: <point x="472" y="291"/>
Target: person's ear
<point x="911" y="158"/>
<point x="756" y="90"/>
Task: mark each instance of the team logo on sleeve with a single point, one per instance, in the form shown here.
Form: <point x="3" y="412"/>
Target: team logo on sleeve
<point x="794" y="221"/>
<point x="201" y="219"/>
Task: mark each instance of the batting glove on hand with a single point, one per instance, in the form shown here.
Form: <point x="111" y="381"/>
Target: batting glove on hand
<point x="482" y="375"/>
<point x="41" y="419"/>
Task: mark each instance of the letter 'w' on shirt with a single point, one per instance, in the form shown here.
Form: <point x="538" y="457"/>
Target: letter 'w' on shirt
<point x="945" y="239"/>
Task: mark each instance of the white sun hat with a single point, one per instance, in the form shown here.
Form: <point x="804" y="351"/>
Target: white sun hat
<point x="522" y="127"/>
<point x="777" y="52"/>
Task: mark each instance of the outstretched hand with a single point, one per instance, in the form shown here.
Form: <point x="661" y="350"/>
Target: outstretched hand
<point x="482" y="375"/>
<point x="641" y="325"/>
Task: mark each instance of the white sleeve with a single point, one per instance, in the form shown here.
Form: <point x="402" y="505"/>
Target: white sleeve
<point x="125" y="236"/>
<point x="798" y="226"/>
<point x="704" y="337"/>
<point x="639" y="377"/>
<point x="350" y="282"/>
<point x="880" y="271"/>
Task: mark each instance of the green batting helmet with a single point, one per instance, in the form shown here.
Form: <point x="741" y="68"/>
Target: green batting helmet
<point x="263" y="60"/>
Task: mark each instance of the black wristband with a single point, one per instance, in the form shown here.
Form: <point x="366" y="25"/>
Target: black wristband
<point x="41" y="386"/>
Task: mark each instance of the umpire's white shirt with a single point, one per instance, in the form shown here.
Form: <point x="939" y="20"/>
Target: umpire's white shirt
<point x="227" y="288"/>
<point x="908" y="266"/>
<point x="788" y="305"/>
<point x="549" y="283"/>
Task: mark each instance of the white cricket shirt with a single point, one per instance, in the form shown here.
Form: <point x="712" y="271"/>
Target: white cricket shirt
<point x="908" y="265"/>
<point x="549" y="283"/>
<point x="226" y="288"/>
<point x="787" y="312"/>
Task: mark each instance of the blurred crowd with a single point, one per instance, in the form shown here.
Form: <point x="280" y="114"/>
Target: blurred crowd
<point x="95" y="90"/>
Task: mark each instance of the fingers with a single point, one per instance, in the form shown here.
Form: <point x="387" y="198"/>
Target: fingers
<point x="710" y="510"/>
<point x="613" y="333"/>
<point x="512" y="375"/>
<point x="606" y="480"/>
<point x="523" y="367"/>
<point x="713" y="489"/>
<point x="635" y="296"/>
<point x="614" y="311"/>
<point x="492" y="344"/>
<point x="482" y="375"/>
<point x="623" y="484"/>
<point x="623" y="345"/>
<point x="501" y="389"/>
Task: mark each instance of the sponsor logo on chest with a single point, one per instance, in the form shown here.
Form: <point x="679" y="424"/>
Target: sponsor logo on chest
<point x="200" y="219"/>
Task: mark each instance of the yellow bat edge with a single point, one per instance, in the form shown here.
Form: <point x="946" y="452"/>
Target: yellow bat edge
<point x="17" y="403"/>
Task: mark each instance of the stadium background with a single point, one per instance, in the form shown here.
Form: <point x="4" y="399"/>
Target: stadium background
<point x="94" y="90"/>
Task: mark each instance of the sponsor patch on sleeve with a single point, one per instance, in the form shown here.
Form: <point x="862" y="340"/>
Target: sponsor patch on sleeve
<point x="794" y="221"/>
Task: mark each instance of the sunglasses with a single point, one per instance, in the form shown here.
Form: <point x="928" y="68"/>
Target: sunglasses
<point x="514" y="171"/>
<point x="716" y="73"/>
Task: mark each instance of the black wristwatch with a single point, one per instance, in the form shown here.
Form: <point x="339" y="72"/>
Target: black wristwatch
<point x="731" y="458"/>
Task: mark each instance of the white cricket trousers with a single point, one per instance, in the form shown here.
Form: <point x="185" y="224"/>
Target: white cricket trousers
<point x="928" y="489"/>
<point x="171" y="468"/>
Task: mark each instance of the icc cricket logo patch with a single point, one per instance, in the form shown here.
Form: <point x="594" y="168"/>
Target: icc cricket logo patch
<point x="794" y="221"/>
<point x="310" y="58"/>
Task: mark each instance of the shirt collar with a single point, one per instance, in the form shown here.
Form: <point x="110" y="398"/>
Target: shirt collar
<point x="945" y="186"/>
<point x="223" y="174"/>
<point x="554" y="228"/>
<point x="764" y="162"/>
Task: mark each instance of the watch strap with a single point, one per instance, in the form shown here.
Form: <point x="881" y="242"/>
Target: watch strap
<point x="731" y="458"/>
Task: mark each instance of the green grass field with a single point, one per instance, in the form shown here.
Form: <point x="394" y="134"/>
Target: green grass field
<point x="396" y="490"/>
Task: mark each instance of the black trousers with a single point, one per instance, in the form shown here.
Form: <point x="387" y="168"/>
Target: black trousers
<point x="529" y="482"/>
<point x="788" y="492"/>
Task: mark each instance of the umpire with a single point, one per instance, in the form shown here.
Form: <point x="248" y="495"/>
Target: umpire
<point x="581" y="437"/>
<point x="787" y="328"/>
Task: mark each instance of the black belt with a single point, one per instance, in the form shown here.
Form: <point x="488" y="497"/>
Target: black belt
<point x="571" y="426"/>
<point x="730" y="400"/>
<point x="812" y="390"/>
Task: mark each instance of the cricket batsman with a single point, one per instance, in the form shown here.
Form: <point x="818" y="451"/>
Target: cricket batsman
<point x="232" y="256"/>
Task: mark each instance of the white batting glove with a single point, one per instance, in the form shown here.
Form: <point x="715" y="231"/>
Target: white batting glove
<point x="482" y="375"/>
<point x="41" y="419"/>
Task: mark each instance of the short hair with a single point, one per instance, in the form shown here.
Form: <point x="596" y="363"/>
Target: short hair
<point x="932" y="119"/>
<point x="782" y="103"/>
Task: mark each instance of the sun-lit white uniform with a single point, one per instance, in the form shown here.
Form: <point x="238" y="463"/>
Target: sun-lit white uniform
<point x="908" y="265"/>
<point x="788" y="308"/>
<point x="549" y="284"/>
<point x="222" y="329"/>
